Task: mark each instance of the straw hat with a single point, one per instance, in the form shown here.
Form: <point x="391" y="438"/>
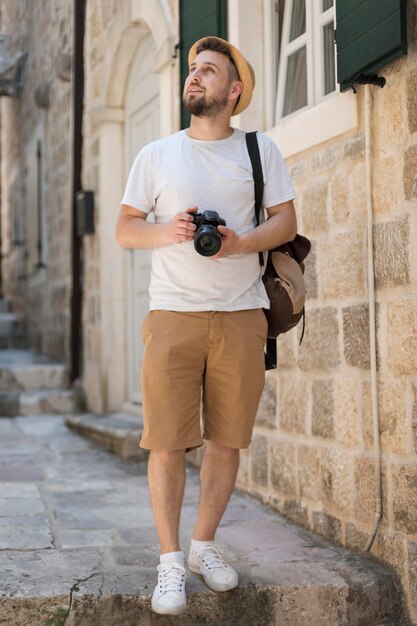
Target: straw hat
<point x="244" y="69"/>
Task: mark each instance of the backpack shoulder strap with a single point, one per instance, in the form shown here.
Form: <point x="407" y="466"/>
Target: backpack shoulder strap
<point x="258" y="178"/>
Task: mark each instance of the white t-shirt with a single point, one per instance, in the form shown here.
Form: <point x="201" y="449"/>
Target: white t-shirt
<point x="177" y="172"/>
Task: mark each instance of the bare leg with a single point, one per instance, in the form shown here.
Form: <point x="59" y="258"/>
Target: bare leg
<point x="217" y="477"/>
<point x="166" y="479"/>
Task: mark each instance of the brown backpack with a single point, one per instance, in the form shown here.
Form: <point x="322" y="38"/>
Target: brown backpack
<point x="283" y="275"/>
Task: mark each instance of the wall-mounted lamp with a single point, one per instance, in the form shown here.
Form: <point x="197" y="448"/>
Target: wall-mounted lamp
<point x="11" y="69"/>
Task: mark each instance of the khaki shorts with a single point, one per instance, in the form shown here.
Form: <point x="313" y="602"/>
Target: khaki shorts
<point x="209" y="359"/>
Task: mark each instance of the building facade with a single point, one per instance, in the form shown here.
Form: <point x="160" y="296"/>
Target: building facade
<point x="313" y="455"/>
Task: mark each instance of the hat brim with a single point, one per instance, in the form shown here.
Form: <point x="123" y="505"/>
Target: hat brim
<point x="244" y="69"/>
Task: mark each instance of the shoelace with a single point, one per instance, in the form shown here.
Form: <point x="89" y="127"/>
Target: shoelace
<point x="170" y="577"/>
<point x="211" y="557"/>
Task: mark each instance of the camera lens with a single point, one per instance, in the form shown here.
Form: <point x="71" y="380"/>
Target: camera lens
<point x="207" y="241"/>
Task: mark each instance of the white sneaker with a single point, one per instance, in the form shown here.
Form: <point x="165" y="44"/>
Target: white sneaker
<point x="217" y="574"/>
<point x="169" y="596"/>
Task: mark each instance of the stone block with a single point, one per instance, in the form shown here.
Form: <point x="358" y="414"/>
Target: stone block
<point x="283" y="472"/>
<point x="392" y="249"/>
<point x="259" y="460"/>
<point x="286" y="358"/>
<point x="386" y="188"/>
<point x="393" y="418"/>
<point x="310" y="273"/>
<point x="356" y="538"/>
<point x="292" y="404"/>
<point x="348" y="412"/>
<point x="326" y="159"/>
<point x="412" y="101"/>
<point x="314" y="209"/>
<point x="320" y="347"/>
<point x="298" y="170"/>
<point x="336" y="476"/>
<point x="295" y="511"/>
<point x="267" y="410"/>
<point x="367" y="426"/>
<point x="412" y="571"/>
<point x="342" y="266"/>
<point x="356" y="335"/>
<point x="357" y="194"/>
<point x="414" y="417"/>
<point x="404" y="496"/>
<point x="355" y="146"/>
<point x="339" y="199"/>
<point x="323" y="409"/>
<point x="327" y="526"/>
<point x="410" y="173"/>
<point x="402" y="335"/>
<point x="309" y="472"/>
<point x="391" y="548"/>
<point x="364" y="491"/>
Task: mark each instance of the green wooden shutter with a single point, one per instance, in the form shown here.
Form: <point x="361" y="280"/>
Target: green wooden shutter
<point x="370" y="34"/>
<point x="199" y="18"/>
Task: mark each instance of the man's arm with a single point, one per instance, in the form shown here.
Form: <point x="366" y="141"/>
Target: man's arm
<point x="280" y="227"/>
<point x="133" y="231"/>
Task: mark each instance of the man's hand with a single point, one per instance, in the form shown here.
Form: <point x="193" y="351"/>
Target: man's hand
<point x="231" y="243"/>
<point x="182" y="228"/>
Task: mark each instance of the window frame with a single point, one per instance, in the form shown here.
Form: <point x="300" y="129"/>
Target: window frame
<point x="312" y="39"/>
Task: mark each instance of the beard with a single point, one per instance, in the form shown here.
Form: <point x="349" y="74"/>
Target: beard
<point x="202" y="106"/>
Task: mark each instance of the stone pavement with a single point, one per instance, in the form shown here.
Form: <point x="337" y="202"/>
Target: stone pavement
<point x="77" y="547"/>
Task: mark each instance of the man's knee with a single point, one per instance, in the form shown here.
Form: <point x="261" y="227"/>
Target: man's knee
<point x="167" y="457"/>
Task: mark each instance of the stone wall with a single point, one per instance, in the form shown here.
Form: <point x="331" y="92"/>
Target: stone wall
<point x="314" y="427"/>
<point x="43" y="31"/>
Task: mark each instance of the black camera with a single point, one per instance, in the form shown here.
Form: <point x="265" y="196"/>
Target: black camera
<point x="207" y="239"/>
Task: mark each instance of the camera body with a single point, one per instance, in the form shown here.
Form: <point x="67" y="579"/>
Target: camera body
<point x="207" y="239"/>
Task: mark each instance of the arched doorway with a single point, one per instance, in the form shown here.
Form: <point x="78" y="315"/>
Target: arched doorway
<point x="142" y="126"/>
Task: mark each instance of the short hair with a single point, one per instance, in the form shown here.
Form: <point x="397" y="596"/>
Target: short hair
<point x="212" y="43"/>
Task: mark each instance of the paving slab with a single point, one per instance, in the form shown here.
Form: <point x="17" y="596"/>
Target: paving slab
<point x="78" y="547"/>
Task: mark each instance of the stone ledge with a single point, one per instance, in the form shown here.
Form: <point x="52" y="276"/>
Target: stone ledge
<point x="117" y="432"/>
<point x="41" y="401"/>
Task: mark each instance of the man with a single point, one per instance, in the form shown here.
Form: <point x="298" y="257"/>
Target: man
<point x="205" y="333"/>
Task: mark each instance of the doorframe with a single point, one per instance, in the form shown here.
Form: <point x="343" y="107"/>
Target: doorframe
<point x="107" y="114"/>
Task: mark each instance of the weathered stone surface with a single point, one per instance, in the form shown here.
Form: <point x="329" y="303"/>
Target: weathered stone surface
<point x="392" y="249"/>
<point x="283" y="472"/>
<point x="309" y="472"/>
<point x="356" y="538"/>
<point x="33" y="376"/>
<point x="410" y="173"/>
<point x="326" y="159"/>
<point x="391" y="548"/>
<point x="404" y="494"/>
<point x="320" y="347"/>
<point x="393" y="419"/>
<point x="314" y="209"/>
<point x="364" y="485"/>
<point x="298" y="170"/>
<point x="342" y="268"/>
<point x="259" y="460"/>
<point x="348" y="413"/>
<point x="292" y="404"/>
<point x="387" y="187"/>
<point x="339" y="194"/>
<point x="357" y="195"/>
<point x="412" y="101"/>
<point x="414" y="417"/>
<point x="323" y="409"/>
<point x="402" y="335"/>
<point x="367" y="425"/>
<point x="356" y="335"/>
<point x="390" y="118"/>
<point x="311" y="278"/>
<point x="295" y="511"/>
<point x="412" y="571"/>
<point x="244" y="466"/>
<point x="267" y="411"/>
<point x="327" y="526"/>
<point x="336" y="479"/>
<point x="355" y="146"/>
<point x="286" y="351"/>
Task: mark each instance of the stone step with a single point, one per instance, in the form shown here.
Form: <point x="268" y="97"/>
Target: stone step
<point x="117" y="432"/>
<point x="38" y="402"/>
<point x="24" y="370"/>
<point x="12" y="330"/>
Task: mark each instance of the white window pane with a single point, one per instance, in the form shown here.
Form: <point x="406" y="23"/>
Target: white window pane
<point x="326" y="4"/>
<point x="328" y="56"/>
<point x="298" y="19"/>
<point x="296" y="82"/>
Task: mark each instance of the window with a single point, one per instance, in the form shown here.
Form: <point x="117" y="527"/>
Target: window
<point x="306" y="69"/>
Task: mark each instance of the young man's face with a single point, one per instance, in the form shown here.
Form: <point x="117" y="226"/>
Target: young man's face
<point x="208" y="87"/>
